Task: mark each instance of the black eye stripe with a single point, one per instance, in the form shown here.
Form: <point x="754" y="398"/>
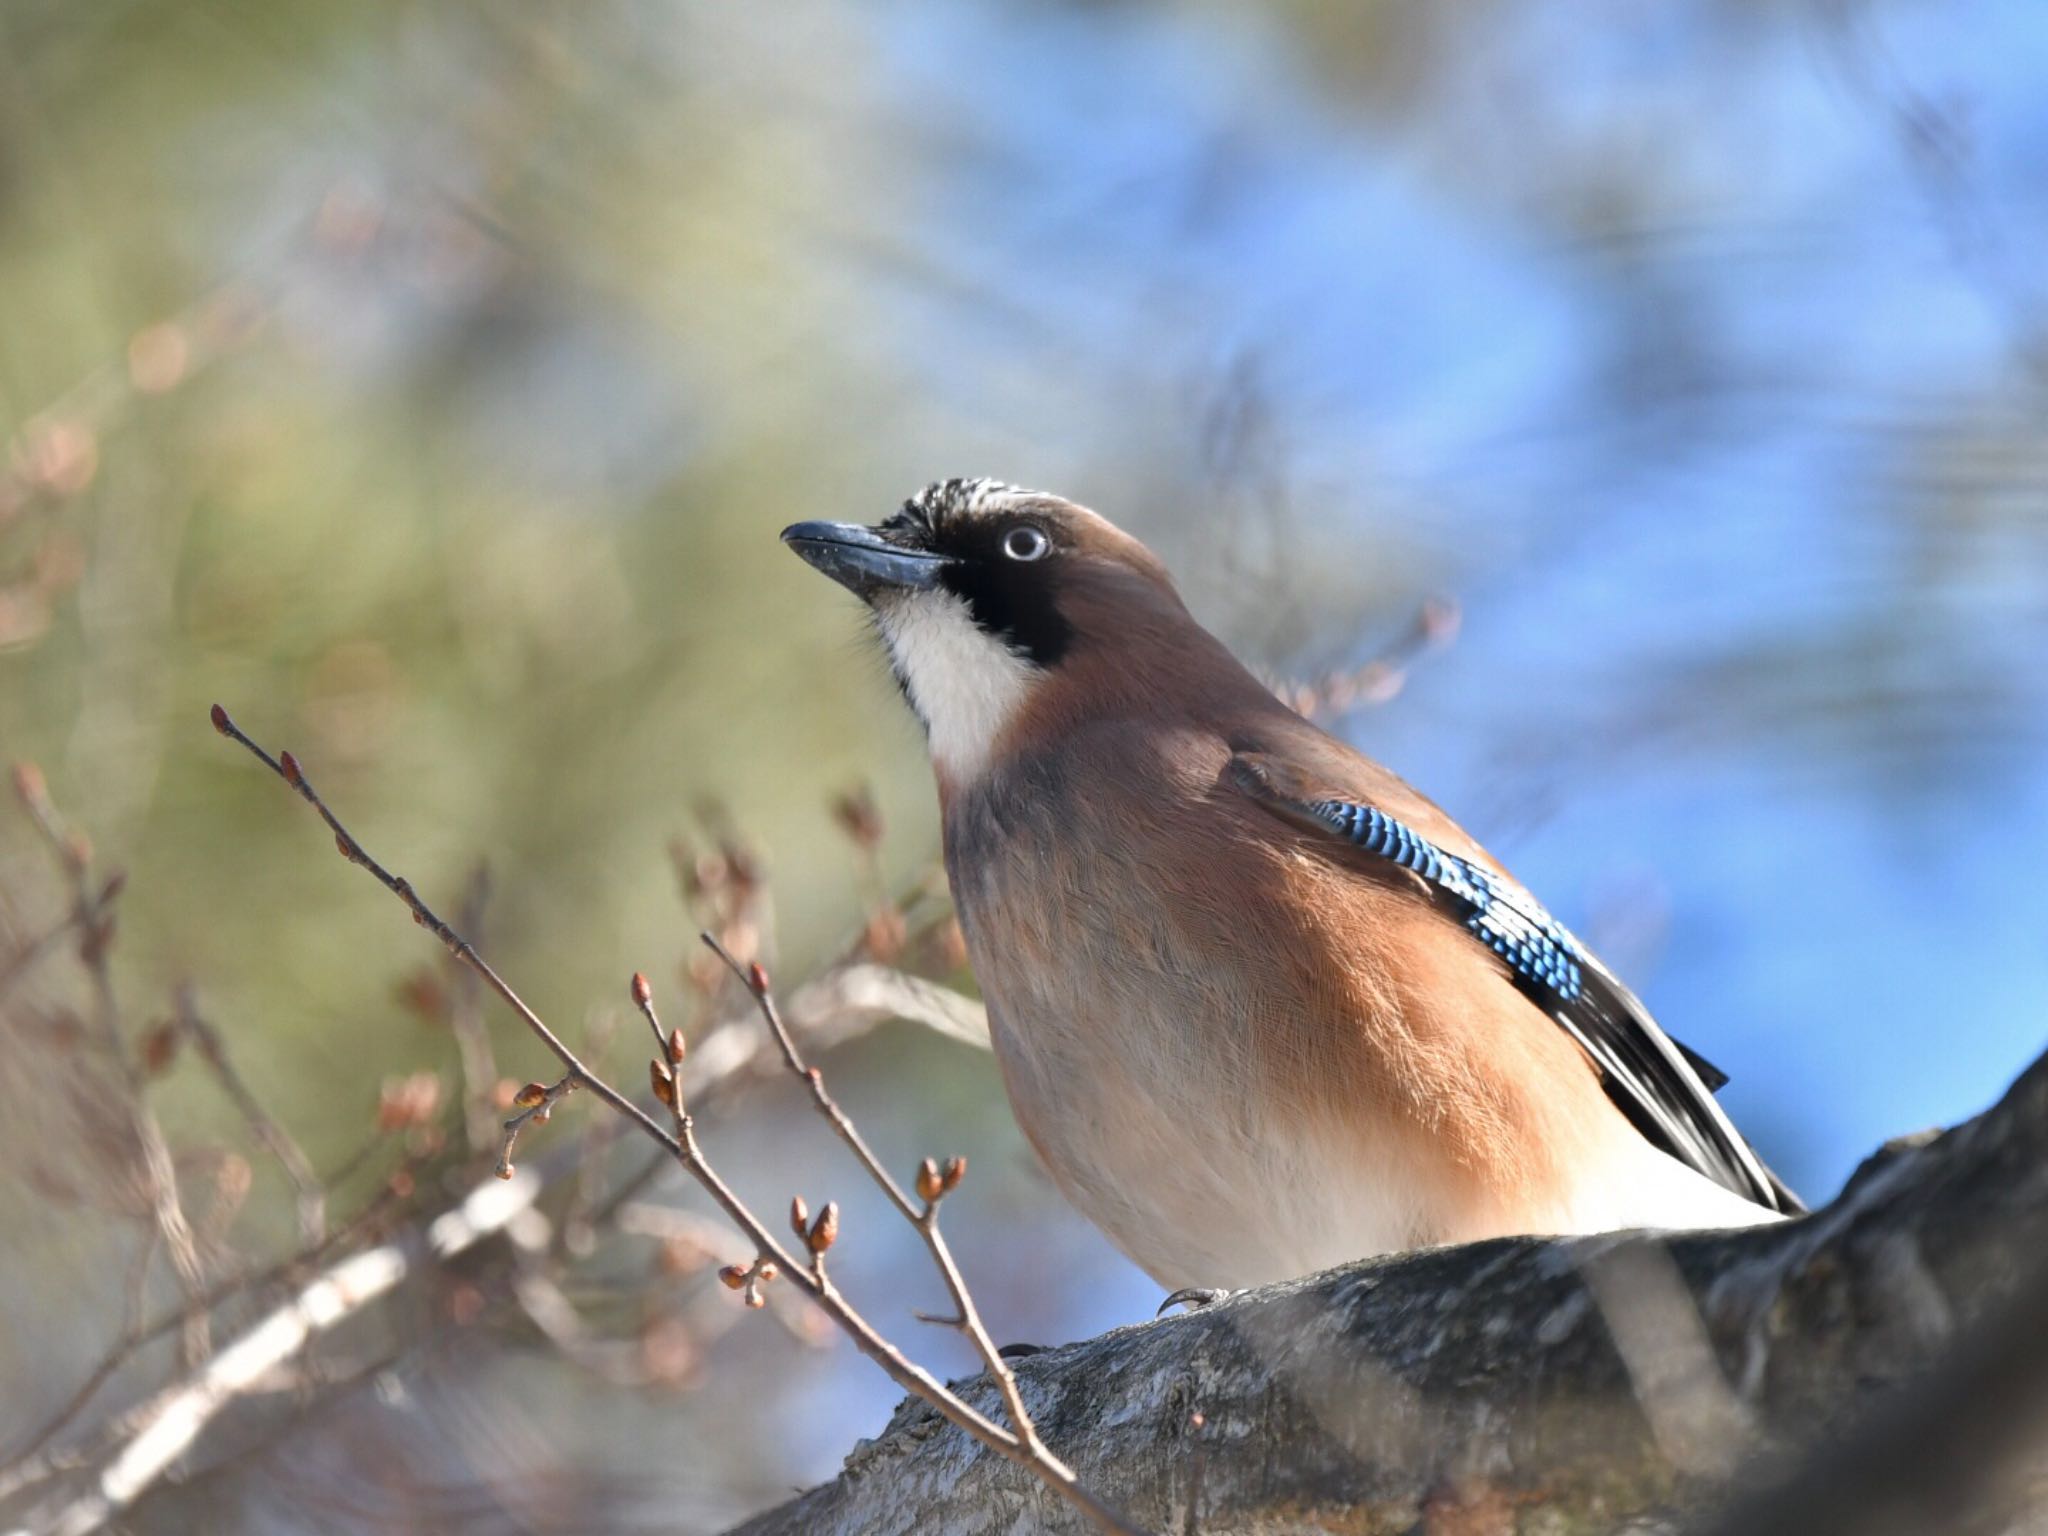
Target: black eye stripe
<point x="1010" y="589"/>
<point x="1011" y="599"/>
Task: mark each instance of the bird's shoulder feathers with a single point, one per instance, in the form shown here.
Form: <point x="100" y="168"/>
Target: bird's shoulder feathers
<point x="1358" y="814"/>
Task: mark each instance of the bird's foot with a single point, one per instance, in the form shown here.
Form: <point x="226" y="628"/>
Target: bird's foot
<point x="1195" y="1297"/>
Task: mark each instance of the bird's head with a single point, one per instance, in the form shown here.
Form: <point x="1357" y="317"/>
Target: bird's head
<point x="1000" y="606"/>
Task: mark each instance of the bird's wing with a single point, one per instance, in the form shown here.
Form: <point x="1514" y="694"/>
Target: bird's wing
<point x="1665" y="1089"/>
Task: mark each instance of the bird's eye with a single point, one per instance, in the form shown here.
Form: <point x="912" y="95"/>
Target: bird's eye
<point x="1025" y="542"/>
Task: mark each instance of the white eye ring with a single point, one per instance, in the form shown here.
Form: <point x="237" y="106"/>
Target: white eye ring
<point x="1025" y="542"/>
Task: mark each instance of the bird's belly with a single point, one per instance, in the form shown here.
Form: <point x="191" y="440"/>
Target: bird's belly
<point x="1159" y="1128"/>
<point x="1160" y="1119"/>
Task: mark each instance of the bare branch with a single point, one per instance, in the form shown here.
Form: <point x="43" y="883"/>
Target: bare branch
<point x="23" y="960"/>
<point x="815" y="1283"/>
<point x="93" y="917"/>
<point x="933" y="1186"/>
<point x="772" y="1260"/>
<point x="175" y="1420"/>
<point x="833" y="1012"/>
<point x="755" y="979"/>
<point x="286" y="767"/>
<point x="212" y="1049"/>
<point x="1497" y="1387"/>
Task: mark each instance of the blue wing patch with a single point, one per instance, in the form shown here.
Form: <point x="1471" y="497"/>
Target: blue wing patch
<point x="1536" y="946"/>
<point x="1548" y="964"/>
<point x="1665" y="1090"/>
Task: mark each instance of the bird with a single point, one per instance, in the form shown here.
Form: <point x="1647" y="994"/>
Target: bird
<point x="1260" y="1007"/>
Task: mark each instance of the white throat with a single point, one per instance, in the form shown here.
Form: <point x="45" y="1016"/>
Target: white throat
<point x="965" y="685"/>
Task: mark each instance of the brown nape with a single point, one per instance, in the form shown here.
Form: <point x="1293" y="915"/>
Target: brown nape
<point x="1136" y="648"/>
<point x="1095" y="539"/>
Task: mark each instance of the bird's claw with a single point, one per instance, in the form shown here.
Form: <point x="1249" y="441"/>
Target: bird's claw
<point x="1194" y="1297"/>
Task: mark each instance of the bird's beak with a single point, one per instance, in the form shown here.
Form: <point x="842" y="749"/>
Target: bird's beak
<point x="861" y="560"/>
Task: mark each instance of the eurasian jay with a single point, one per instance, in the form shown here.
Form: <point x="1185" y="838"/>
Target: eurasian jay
<point x="1260" y="1006"/>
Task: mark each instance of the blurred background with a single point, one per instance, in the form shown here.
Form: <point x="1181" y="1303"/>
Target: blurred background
<point x="428" y="383"/>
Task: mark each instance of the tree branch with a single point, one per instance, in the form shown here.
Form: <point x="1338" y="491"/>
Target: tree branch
<point x="1504" y="1386"/>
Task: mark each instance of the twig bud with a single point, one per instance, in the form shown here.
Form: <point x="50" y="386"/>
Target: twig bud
<point x="96" y="939"/>
<point x="424" y="996"/>
<point x="885" y="934"/>
<point x="530" y="1095"/>
<point x="504" y="1169"/>
<point x="765" y="1270"/>
<point x="824" y="1231"/>
<point x="29" y="785"/>
<point x="733" y="1276"/>
<point x="663" y="1081"/>
<point x="951" y="1175"/>
<point x="928" y="1186"/>
<point x="743" y="869"/>
<point x="757" y="978"/>
<point x="220" y="719"/>
<point x="799" y="1216"/>
<point x="160" y="1047"/>
<point x="290" y="765"/>
<point x="858" y="816"/>
<point x="676" y="1047"/>
<point x="643" y="994"/>
<point x="404" y="1103"/>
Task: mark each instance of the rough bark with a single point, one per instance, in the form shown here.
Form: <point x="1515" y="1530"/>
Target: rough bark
<point x="1626" y="1383"/>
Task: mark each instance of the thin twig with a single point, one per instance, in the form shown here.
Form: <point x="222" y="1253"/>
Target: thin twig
<point x="814" y="1281"/>
<point x="536" y="1103"/>
<point x="132" y="1335"/>
<point x="755" y="980"/>
<point x="26" y="955"/>
<point x="682" y="1144"/>
<point x="851" y="997"/>
<point x="924" y="1215"/>
<point x="1023" y="1446"/>
<point x="28" y="1465"/>
<point x="93" y="916"/>
<point x="719" y="1245"/>
<point x="212" y="1049"/>
<point x="286" y="767"/>
<point x="837" y="1006"/>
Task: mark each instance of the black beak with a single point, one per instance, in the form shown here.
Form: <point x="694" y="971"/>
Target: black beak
<point x="861" y="560"/>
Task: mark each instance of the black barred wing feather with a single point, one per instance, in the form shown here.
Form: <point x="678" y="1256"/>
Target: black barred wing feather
<point x="1665" y="1089"/>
